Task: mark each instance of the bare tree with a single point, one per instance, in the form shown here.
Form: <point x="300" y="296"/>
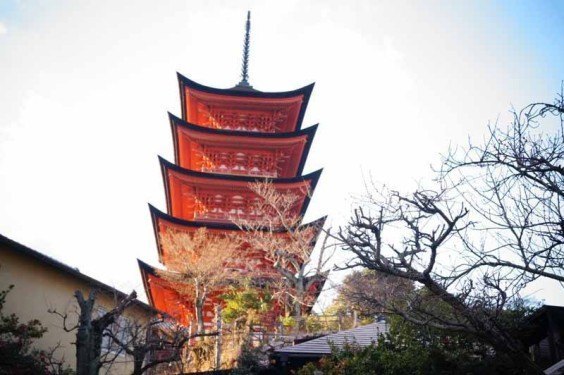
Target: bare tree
<point x="201" y="264"/>
<point x="55" y="365"/>
<point x="369" y="292"/>
<point x="277" y="230"/>
<point x="493" y="224"/>
<point x="405" y="236"/>
<point x="514" y="182"/>
<point x="150" y="344"/>
<point x="90" y="330"/>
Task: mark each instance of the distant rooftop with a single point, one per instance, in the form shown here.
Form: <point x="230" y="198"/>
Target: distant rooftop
<point x="361" y="336"/>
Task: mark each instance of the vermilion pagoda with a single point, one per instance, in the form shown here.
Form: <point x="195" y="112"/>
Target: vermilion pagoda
<point x="225" y="140"/>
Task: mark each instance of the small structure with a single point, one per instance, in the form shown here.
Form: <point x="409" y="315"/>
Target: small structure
<point x="42" y="283"/>
<point x="293" y="357"/>
<point x="546" y="337"/>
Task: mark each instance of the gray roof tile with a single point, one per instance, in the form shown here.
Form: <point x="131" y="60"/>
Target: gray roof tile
<point x="362" y="336"/>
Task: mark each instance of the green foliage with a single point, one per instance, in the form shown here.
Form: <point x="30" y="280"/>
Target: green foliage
<point x="245" y="305"/>
<point x="314" y="324"/>
<point x="408" y="349"/>
<point x="288" y="321"/>
<point x="16" y="353"/>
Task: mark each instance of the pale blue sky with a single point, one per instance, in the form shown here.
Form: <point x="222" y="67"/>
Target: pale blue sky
<point x="85" y="86"/>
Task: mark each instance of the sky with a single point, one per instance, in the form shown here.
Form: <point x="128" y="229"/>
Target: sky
<point x="85" y="87"/>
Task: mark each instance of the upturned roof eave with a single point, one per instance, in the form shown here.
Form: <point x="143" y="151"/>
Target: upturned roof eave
<point x="308" y="132"/>
<point x="305" y="91"/>
<point x="176" y="121"/>
<point x="312" y="178"/>
<point x="146" y="269"/>
<point x="158" y="214"/>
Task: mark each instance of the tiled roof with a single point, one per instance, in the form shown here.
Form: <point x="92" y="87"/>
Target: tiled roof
<point x="361" y="336"/>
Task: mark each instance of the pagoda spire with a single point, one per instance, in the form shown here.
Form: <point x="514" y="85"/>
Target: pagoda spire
<point x="244" y="84"/>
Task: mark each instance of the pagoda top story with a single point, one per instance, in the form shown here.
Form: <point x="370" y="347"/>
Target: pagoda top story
<point x="232" y="109"/>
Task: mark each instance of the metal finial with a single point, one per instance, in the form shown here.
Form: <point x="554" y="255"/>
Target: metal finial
<point x="246" y="46"/>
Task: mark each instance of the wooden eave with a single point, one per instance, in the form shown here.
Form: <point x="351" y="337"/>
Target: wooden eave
<point x="234" y="182"/>
<point x="189" y="226"/>
<point x="149" y="272"/>
<point x="300" y="141"/>
<point x="146" y="270"/>
<point x="162" y="295"/>
<point x="244" y="97"/>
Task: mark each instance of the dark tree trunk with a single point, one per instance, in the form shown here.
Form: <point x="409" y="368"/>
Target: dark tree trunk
<point x="138" y="360"/>
<point x="298" y="306"/>
<point x="199" y="302"/>
<point x="87" y="352"/>
<point x="199" y="306"/>
<point x="90" y="331"/>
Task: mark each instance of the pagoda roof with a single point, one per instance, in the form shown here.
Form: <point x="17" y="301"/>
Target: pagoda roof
<point x="177" y="121"/>
<point x="236" y="138"/>
<point x="149" y="272"/>
<point x="162" y="294"/>
<point x="146" y="269"/>
<point x="234" y="95"/>
<point x="232" y="182"/>
<point x="158" y="216"/>
<point x="184" y="81"/>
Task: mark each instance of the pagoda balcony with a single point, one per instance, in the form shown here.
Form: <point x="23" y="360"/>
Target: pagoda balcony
<point x="163" y="223"/>
<point x="260" y="164"/>
<point x="218" y="205"/>
<point x="240" y="153"/>
<point x="193" y="195"/>
<point x="251" y="120"/>
<point x="225" y="215"/>
<point x="210" y="206"/>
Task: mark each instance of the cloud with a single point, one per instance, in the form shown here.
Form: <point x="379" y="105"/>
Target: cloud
<point x="3" y="29"/>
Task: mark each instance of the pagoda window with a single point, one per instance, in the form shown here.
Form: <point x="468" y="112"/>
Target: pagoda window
<point x="237" y="205"/>
<point x="240" y="161"/>
<point x="266" y="120"/>
<point x="217" y="207"/>
<point x="254" y="203"/>
<point x="210" y="205"/>
<point x="257" y="163"/>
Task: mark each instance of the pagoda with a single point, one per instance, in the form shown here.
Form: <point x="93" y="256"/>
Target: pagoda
<point x="225" y="140"/>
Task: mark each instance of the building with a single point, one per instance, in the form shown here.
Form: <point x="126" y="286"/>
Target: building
<point x="42" y="284"/>
<point x="545" y="336"/>
<point x="225" y="140"/>
<point x="294" y="357"/>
